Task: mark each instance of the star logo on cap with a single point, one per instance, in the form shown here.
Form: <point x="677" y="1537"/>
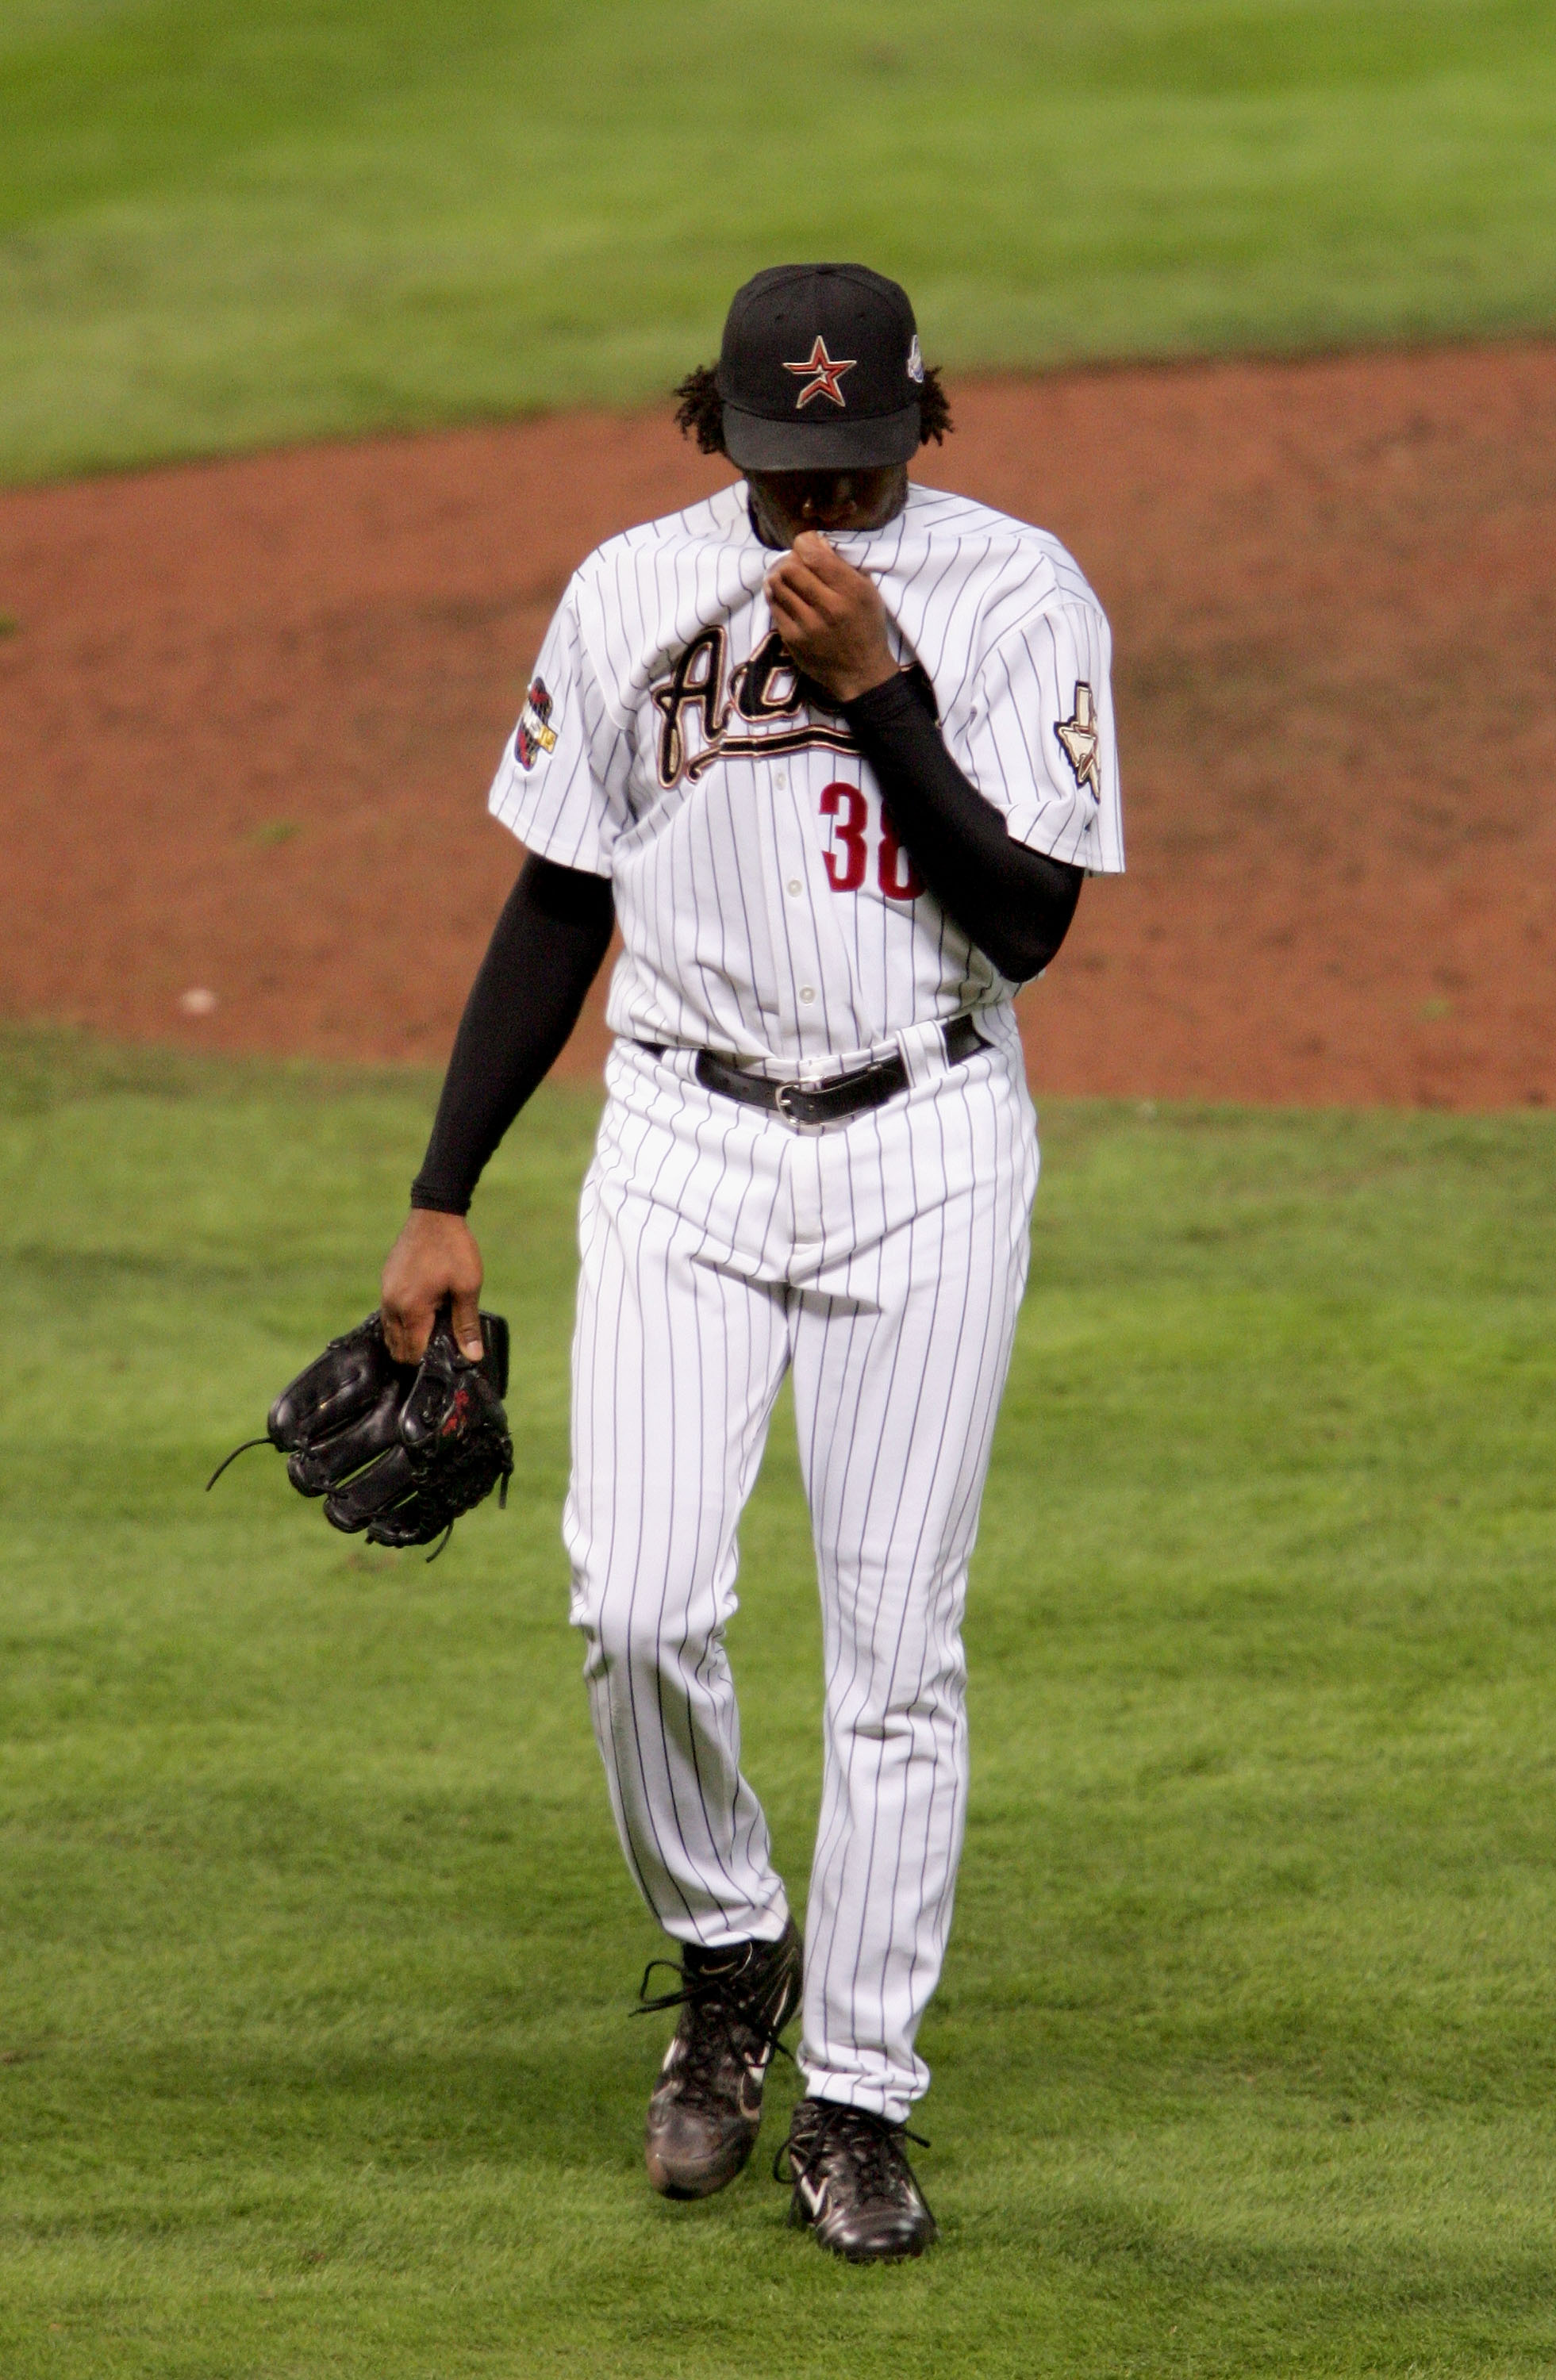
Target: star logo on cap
<point x="1080" y="736"/>
<point x="821" y="375"/>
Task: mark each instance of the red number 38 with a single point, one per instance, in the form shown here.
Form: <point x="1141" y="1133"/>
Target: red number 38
<point x="848" y="807"/>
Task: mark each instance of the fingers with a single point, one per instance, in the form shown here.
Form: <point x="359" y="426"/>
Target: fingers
<point x="809" y="617"/>
<point x="434" y="1257"/>
<point x="407" y="1302"/>
<point x="830" y="618"/>
<point x="796" y="621"/>
<point x="793" y="613"/>
<point x="819" y="556"/>
<point x="407" y="1329"/>
<point x="813" y="591"/>
<point x="794" y="581"/>
<point x="466" y="1320"/>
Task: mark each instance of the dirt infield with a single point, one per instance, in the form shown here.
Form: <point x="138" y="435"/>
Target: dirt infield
<point x="247" y="713"/>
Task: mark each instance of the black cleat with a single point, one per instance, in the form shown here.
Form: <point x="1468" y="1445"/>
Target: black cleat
<point x="853" y="2185"/>
<point x="706" y="2109"/>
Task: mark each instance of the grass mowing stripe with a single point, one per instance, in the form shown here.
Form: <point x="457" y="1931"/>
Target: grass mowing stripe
<point x="222" y="227"/>
<point x="319" y="1946"/>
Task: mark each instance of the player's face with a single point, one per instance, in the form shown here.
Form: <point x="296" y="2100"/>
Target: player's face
<point x="788" y="502"/>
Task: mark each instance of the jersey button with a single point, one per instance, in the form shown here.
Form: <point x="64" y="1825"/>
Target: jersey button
<point x="795" y="887"/>
<point x="783" y="776"/>
<point x="808" y="993"/>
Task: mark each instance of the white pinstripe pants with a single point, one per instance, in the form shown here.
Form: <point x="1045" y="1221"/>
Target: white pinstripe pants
<point x="883" y="1260"/>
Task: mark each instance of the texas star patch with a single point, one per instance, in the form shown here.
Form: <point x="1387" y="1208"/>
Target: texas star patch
<point x="534" y="736"/>
<point x="821" y="375"/>
<point x="1081" y="738"/>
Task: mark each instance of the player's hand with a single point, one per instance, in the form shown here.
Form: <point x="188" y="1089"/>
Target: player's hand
<point x="436" y="1257"/>
<point x="830" y="618"/>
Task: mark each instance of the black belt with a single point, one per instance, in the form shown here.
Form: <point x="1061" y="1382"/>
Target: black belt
<point x="851" y="1095"/>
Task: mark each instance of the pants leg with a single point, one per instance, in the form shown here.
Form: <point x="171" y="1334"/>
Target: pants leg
<point x="676" y="1364"/>
<point x="897" y="1382"/>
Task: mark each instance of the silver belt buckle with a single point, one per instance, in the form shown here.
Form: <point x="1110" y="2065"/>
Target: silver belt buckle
<point x="784" y="1092"/>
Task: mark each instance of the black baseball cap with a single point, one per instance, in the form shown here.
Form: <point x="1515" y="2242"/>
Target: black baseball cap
<point x="820" y="371"/>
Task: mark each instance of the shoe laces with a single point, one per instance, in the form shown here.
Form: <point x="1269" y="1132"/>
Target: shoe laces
<point x="872" y="2143"/>
<point x="722" y="2002"/>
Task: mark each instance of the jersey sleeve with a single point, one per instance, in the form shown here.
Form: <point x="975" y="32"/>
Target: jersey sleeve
<point x="1038" y="737"/>
<point x="561" y="787"/>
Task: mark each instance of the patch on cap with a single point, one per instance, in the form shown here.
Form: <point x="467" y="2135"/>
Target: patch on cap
<point x="827" y="375"/>
<point x="914" y="360"/>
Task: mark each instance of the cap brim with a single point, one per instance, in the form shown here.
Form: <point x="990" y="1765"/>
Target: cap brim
<point x="756" y="444"/>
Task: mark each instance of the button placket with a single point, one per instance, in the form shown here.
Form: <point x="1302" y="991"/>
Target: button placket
<point x="800" y="924"/>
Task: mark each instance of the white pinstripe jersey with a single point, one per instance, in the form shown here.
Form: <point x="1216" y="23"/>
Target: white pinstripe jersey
<point x="765" y="907"/>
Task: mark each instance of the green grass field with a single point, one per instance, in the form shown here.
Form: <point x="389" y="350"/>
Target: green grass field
<point x="221" y="226"/>
<point x="314" y="2058"/>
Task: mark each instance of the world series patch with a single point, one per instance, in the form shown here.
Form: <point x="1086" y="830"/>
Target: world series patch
<point x="534" y="736"/>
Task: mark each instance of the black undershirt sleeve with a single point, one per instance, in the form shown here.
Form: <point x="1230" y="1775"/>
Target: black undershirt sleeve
<point x="545" y="952"/>
<point x="1015" y="904"/>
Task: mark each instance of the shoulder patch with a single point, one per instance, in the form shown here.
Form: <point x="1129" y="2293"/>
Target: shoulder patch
<point x="1081" y="738"/>
<point x="535" y="733"/>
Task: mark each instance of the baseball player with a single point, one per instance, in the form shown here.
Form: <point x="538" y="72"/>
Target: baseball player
<point x="834" y="751"/>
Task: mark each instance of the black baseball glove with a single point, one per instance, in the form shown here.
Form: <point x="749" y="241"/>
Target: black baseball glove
<point x="398" y="1449"/>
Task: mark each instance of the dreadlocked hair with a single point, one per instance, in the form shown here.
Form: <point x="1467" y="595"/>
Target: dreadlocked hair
<point x="700" y="413"/>
<point x="934" y="408"/>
